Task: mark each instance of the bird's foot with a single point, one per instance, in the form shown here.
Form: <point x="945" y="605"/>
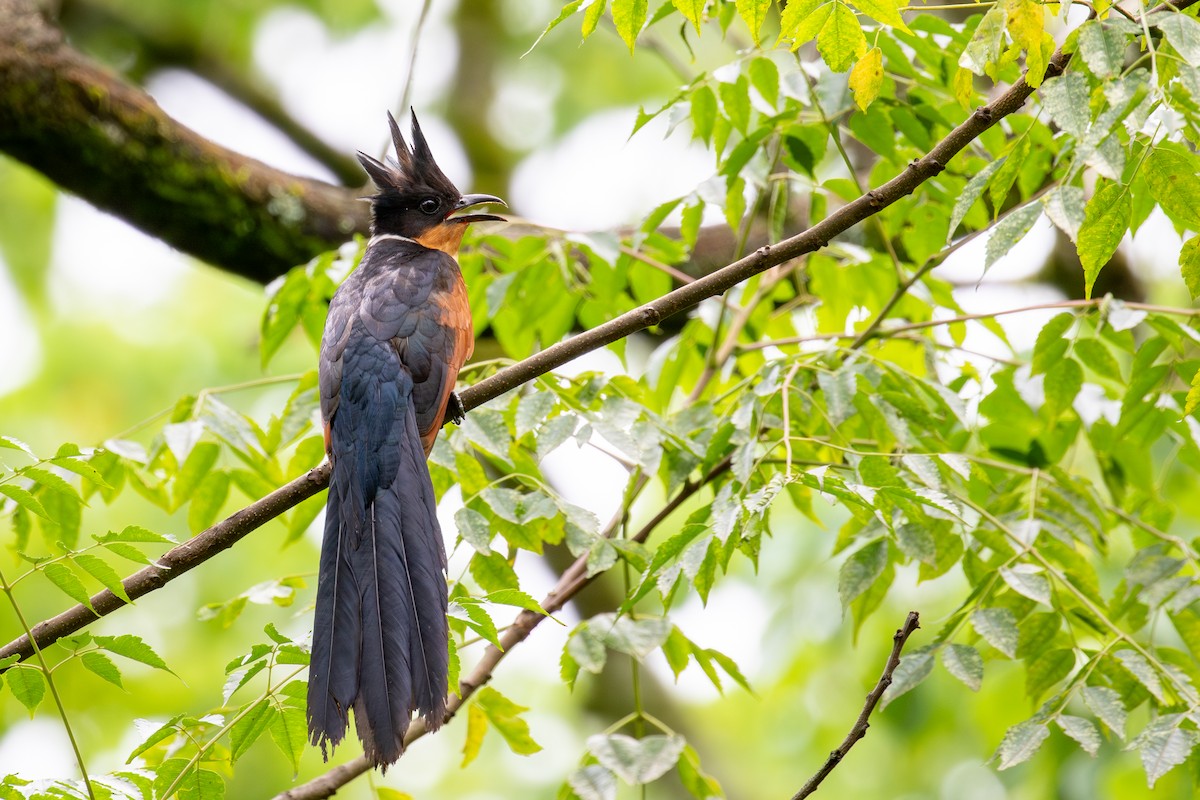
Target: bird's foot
<point x="454" y="409"/>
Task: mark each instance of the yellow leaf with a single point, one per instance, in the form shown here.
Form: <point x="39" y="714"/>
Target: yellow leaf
<point x="477" y="726"/>
<point x="1025" y="20"/>
<point x="1036" y="61"/>
<point x="841" y="39"/>
<point x="867" y="77"/>
<point x="802" y="19"/>
<point x="964" y="87"/>
<point x="1193" y="396"/>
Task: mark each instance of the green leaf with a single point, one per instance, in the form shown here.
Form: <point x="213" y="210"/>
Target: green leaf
<point x="99" y="569"/>
<point x="24" y="499"/>
<point x="492" y="572"/>
<point x="735" y="99"/>
<point x="255" y="718"/>
<point x="753" y="13"/>
<point x="704" y="112"/>
<point x="166" y="731"/>
<point x="802" y="19"/>
<point x="964" y="662"/>
<point x="1083" y="731"/>
<point x="1051" y="344"/>
<point x="1046" y="670"/>
<point x="567" y="10"/>
<point x="504" y="715"/>
<point x="196" y="783"/>
<point x="998" y="627"/>
<point x="1027" y="580"/>
<point x="480" y="622"/>
<point x="636" y="761"/>
<point x="629" y="16"/>
<point x="1066" y="100"/>
<point x="67" y="581"/>
<point x="1106" y="704"/>
<point x="1002" y="182"/>
<point x="1064" y="206"/>
<point x="912" y="670"/>
<point x="861" y="570"/>
<point x="1105" y="221"/>
<point x="591" y="17"/>
<point x="841" y="39"/>
<point x="102" y="665"/>
<point x="1174" y="183"/>
<point x="27" y="685"/>
<point x="1021" y="742"/>
<point x="11" y="443"/>
<point x="635" y="637"/>
<point x="513" y="597"/>
<point x="134" y="533"/>
<point x="289" y="731"/>
<point x="1183" y="32"/>
<point x="593" y="782"/>
<point x="1062" y="384"/>
<point x="692" y="10"/>
<point x="133" y="648"/>
<point x="970" y="193"/>
<point x="1097" y="357"/>
<point x="764" y="76"/>
<point x="1141" y="669"/>
<point x="1189" y="265"/>
<point x="474" y="530"/>
<point x="1103" y="49"/>
<point x="1010" y="230"/>
<point x="197" y="465"/>
<point x="885" y="11"/>
<point x="1164" y="745"/>
<point x="985" y="45"/>
<point x="477" y="726"/>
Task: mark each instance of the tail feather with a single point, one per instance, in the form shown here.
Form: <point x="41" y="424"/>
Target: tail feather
<point x="379" y="640"/>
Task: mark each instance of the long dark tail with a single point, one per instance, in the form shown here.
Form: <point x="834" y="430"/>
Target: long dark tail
<point x="379" y="636"/>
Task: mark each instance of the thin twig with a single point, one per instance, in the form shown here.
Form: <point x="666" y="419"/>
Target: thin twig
<point x="406" y="96"/>
<point x="911" y="623"/>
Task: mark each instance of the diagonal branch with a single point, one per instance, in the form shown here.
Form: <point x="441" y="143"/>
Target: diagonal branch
<point x="911" y="623"/>
<point x="573" y="580"/>
<point x="224" y="534"/>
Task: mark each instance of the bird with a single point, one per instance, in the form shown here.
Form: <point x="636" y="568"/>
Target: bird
<point x="398" y="331"/>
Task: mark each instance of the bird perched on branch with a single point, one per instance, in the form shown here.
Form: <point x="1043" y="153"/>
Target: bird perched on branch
<point x="398" y="331"/>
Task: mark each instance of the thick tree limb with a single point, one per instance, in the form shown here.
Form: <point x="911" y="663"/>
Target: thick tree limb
<point x="109" y="142"/>
<point x="217" y="538"/>
<point x="861" y="724"/>
<point x="161" y="46"/>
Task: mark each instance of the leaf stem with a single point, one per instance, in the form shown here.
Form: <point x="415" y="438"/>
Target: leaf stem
<point x="46" y="671"/>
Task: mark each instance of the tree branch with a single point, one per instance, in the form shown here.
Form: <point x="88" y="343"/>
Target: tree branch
<point x="861" y="724"/>
<point x="212" y="541"/>
<point x="109" y="142"/>
<point x="164" y="46"/>
<point x="573" y="580"/>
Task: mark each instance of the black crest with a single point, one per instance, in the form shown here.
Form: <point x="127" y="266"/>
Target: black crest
<point x="414" y="171"/>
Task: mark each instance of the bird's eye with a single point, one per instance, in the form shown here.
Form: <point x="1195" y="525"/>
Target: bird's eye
<point x="429" y="206"/>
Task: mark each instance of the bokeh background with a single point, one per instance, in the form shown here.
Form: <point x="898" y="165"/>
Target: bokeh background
<point x="102" y="328"/>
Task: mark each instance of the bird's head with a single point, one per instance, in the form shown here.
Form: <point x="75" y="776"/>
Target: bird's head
<point x="415" y="199"/>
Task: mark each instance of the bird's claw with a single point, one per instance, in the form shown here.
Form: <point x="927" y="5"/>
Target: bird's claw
<point x="455" y="410"/>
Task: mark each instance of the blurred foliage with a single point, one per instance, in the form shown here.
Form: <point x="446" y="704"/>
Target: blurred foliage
<point x="826" y="430"/>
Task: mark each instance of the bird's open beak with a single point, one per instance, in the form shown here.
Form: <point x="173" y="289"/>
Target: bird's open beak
<point x="469" y="200"/>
